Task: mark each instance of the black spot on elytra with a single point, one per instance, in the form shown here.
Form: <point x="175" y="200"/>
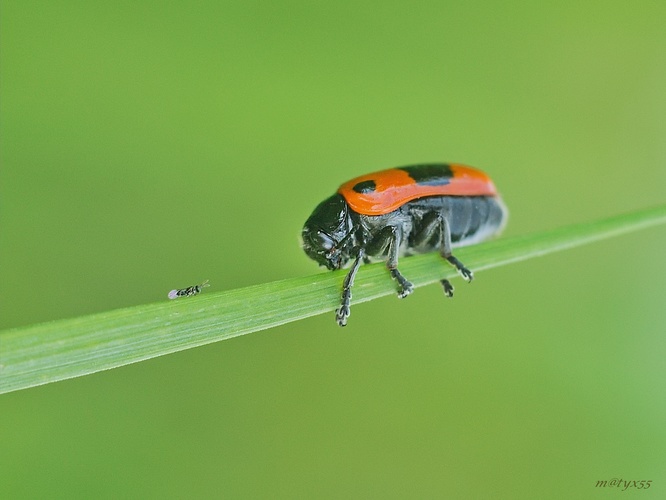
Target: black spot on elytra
<point x="365" y="187"/>
<point x="437" y="174"/>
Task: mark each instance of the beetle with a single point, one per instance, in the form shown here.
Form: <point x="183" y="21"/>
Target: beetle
<point x="399" y="212"/>
<point x="187" y="292"/>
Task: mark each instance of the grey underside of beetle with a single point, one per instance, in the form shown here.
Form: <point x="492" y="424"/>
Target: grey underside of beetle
<point x="471" y="219"/>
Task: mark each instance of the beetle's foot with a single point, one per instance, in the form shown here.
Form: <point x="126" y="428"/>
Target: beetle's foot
<point x="448" y="288"/>
<point x="343" y="312"/>
<point x="405" y="287"/>
<point x="341" y="315"/>
<point x="405" y="290"/>
<point x="460" y="267"/>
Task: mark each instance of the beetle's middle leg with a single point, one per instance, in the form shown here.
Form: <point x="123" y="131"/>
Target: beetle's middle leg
<point x="388" y="240"/>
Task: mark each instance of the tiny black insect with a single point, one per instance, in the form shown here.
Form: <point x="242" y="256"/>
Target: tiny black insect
<point x="187" y="292"/>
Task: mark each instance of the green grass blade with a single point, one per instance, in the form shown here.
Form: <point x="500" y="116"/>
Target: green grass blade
<point x="63" y="349"/>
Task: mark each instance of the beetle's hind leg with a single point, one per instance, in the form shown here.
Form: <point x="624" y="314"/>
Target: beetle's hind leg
<point x="448" y="287"/>
<point x="343" y="312"/>
<point x="445" y="250"/>
<point x="434" y="230"/>
<point x="435" y="225"/>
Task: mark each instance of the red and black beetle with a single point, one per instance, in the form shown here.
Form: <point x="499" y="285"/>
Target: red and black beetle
<point x="403" y="211"/>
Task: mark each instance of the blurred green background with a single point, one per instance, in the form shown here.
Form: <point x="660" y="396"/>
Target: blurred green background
<point x="152" y="145"/>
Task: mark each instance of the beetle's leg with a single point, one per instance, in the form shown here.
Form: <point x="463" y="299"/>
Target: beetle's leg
<point x="343" y="312"/>
<point x="448" y="287"/>
<point x="388" y="241"/>
<point x="405" y="286"/>
<point x="445" y="250"/>
<point x="431" y="227"/>
<point x="428" y="227"/>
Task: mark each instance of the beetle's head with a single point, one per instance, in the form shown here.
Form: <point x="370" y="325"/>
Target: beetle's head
<point x="328" y="235"/>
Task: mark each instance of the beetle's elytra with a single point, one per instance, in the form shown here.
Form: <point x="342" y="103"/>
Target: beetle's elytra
<point x="399" y="212"/>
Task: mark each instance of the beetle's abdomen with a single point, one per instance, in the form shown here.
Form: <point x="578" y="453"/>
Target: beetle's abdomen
<point x="471" y="219"/>
<point x="476" y="218"/>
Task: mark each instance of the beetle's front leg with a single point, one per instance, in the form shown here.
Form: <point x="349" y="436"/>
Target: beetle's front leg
<point x="343" y="312"/>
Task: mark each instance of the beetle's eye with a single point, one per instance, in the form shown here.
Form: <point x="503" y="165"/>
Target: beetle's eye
<point x="325" y="241"/>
